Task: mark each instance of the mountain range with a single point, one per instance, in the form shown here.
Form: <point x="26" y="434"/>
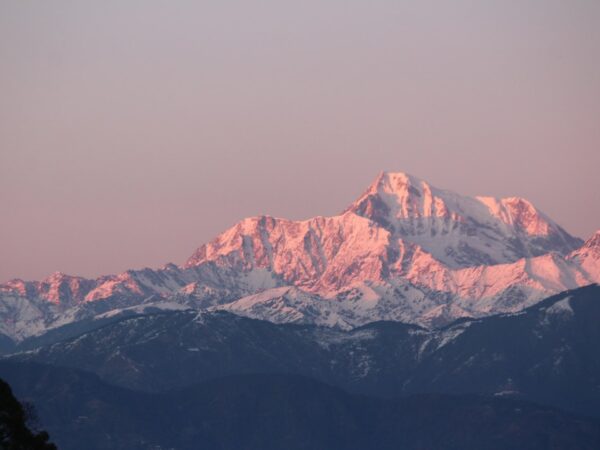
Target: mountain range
<point x="188" y="379"/>
<point x="416" y="318"/>
<point x="403" y="251"/>
<point x="546" y="353"/>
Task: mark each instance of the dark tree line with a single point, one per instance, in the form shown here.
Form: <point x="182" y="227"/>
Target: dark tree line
<point x="14" y="418"/>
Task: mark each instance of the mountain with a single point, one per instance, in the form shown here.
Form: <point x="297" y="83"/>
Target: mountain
<point x="33" y="308"/>
<point x="587" y="257"/>
<point x="274" y="411"/>
<point x="403" y="251"/>
<point x="546" y="353"/>
<point x="460" y="231"/>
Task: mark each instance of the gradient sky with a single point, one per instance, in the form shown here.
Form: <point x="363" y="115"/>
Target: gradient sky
<point x="133" y="131"/>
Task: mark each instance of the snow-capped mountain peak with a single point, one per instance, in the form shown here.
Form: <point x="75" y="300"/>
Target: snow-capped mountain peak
<point x="588" y="257"/>
<point x="397" y="196"/>
<point x="404" y="250"/>
<point x="458" y="230"/>
<point x="593" y="243"/>
<point x="520" y="214"/>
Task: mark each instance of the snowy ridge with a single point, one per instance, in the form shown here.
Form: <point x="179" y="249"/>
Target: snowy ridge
<point x="460" y="231"/>
<point x="403" y="251"/>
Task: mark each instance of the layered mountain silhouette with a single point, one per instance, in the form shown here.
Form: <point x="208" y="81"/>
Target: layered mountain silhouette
<point x="188" y="379"/>
<point x="404" y="251"/>
<point x="417" y="318"/>
<point x="262" y="412"/>
<point x="547" y="353"/>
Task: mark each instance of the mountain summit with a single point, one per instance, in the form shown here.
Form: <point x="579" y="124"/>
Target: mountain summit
<point x="457" y="230"/>
<point x="404" y="251"/>
<point x="397" y="218"/>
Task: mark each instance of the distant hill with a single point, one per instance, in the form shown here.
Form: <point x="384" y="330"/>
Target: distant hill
<point x="547" y="353"/>
<point x="285" y="411"/>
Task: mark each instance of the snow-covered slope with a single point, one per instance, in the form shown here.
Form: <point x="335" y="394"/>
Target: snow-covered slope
<point x="588" y="257"/>
<point x="31" y="308"/>
<point x="429" y="294"/>
<point x="403" y="251"/>
<point x="460" y="231"/>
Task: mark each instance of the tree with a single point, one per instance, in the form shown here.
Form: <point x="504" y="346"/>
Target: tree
<point x="14" y="432"/>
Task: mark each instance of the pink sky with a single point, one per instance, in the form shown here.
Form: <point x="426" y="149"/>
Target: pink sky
<point x="130" y="134"/>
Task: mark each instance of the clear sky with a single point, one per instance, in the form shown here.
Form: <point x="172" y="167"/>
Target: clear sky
<point x="133" y="131"/>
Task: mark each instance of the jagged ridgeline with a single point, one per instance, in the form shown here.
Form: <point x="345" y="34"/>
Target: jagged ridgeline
<point x="417" y="318"/>
<point x="404" y="251"/>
